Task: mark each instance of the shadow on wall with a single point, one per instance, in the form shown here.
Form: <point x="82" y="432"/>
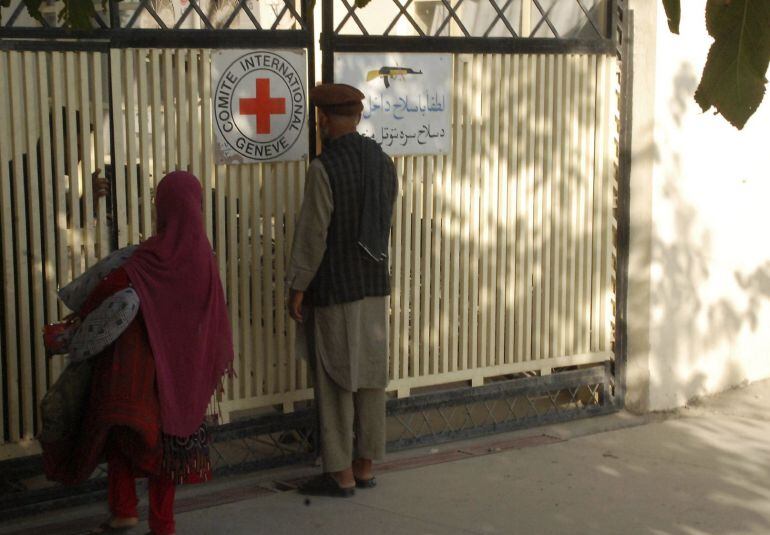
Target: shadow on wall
<point x="694" y="328"/>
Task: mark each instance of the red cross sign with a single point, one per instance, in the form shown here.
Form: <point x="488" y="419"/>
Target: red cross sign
<point x="263" y="106"/>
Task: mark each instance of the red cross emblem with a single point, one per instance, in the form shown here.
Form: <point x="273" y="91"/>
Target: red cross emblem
<point x="263" y="107"/>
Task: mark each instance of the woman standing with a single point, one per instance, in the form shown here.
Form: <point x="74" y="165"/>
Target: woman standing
<point x="150" y="389"/>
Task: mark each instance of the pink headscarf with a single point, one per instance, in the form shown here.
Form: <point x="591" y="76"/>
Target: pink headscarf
<point x="183" y="305"/>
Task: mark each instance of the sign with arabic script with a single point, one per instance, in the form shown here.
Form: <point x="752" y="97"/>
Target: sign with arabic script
<point x="407" y="109"/>
<point x="259" y="105"/>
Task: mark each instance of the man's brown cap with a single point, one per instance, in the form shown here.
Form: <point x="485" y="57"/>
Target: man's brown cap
<point x="337" y="99"/>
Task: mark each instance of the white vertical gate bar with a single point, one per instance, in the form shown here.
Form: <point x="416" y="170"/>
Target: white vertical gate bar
<point x="557" y="339"/>
<point x="63" y="267"/>
<point x="235" y="210"/>
<point x="18" y="130"/>
<point x="503" y="181"/>
<point x="538" y="181"/>
<point x="436" y="175"/>
<point x="483" y="149"/>
<point x="97" y="99"/>
<point x="13" y="345"/>
<point x="221" y="241"/>
<point x="610" y="170"/>
<point x="440" y="288"/>
<point x="414" y="288"/>
<point x="583" y="312"/>
<point x="47" y="195"/>
<point x="208" y="147"/>
<point x="512" y="244"/>
<point x="242" y="259"/>
<point x="145" y="145"/>
<point x="548" y="91"/>
<point x="601" y="146"/>
<point x="75" y="219"/>
<point x="465" y="178"/>
<point x="474" y="214"/>
<point x="454" y="200"/>
<point x="280" y="275"/>
<point x="396" y="272"/>
<point x="407" y="306"/>
<point x="522" y="194"/>
<point x="86" y="160"/>
<point x="194" y="113"/>
<point x="427" y="170"/>
<point x="446" y="236"/>
<point x="257" y="273"/>
<point x="566" y="205"/>
<point x="572" y="188"/>
<point x="495" y="238"/>
<point x="268" y="210"/>
<point x="132" y="183"/>
<point x="303" y="365"/>
<point x="589" y="151"/>
<point x="182" y="131"/>
<point x="232" y="276"/>
<point x="291" y="216"/>
<point x="158" y="158"/>
<point x="119" y="142"/>
<point x="529" y="268"/>
<point x="169" y="120"/>
<point x="35" y="251"/>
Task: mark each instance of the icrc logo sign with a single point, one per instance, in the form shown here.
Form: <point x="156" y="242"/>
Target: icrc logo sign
<point x="259" y="105"/>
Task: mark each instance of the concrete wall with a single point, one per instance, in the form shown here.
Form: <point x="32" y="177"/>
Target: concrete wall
<point x="699" y="296"/>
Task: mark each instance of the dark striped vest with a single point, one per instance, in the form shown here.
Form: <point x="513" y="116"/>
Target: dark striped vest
<point x="346" y="273"/>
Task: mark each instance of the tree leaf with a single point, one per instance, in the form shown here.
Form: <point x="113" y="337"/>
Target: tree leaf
<point x="734" y="76"/>
<point x="78" y="14"/>
<point x="33" y="8"/>
<point x="673" y="13"/>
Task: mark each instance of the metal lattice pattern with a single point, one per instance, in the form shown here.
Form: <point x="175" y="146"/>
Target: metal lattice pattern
<point x="270" y="441"/>
<point x="441" y="423"/>
<point x="217" y="14"/>
<point x="264" y="450"/>
<point x="559" y="19"/>
<point x="173" y="15"/>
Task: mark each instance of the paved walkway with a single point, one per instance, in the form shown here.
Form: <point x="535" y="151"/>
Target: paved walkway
<point x="701" y="470"/>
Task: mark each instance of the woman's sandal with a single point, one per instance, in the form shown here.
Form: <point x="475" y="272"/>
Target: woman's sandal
<point x="325" y="485"/>
<point x="366" y="483"/>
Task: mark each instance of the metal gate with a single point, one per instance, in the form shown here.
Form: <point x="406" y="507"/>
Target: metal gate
<point x="132" y="99"/>
<point x="505" y="254"/>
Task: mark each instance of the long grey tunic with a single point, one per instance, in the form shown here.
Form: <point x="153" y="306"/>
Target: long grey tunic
<point x="350" y="340"/>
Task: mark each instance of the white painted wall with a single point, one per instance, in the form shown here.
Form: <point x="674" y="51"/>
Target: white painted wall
<point x="701" y="268"/>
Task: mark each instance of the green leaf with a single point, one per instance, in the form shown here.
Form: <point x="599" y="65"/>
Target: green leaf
<point x="33" y="8"/>
<point x="78" y="14"/>
<point x="734" y="76"/>
<point x="362" y="3"/>
<point x="673" y="13"/>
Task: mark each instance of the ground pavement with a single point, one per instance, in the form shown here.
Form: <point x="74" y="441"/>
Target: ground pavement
<point x="701" y="470"/>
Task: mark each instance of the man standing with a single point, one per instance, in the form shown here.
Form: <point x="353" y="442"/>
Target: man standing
<point x="339" y="290"/>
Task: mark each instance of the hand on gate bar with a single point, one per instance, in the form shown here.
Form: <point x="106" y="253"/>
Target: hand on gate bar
<point x="101" y="187"/>
<point x="295" y="305"/>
